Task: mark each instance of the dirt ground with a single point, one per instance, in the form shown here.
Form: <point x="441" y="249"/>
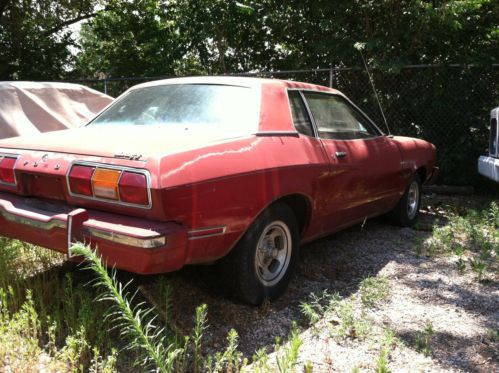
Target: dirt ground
<point x="461" y="310"/>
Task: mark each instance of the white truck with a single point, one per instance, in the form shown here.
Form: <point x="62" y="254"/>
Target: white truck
<point x="488" y="165"/>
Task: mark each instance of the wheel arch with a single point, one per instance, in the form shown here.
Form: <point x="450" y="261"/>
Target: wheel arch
<point x="299" y="203"/>
<point x="301" y="206"/>
<point x="422" y="172"/>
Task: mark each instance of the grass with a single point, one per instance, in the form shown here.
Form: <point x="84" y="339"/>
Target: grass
<point x="347" y="318"/>
<point x="471" y="237"/>
<point x="374" y="290"/>
<point x="160" y="348"/>
<point x="88" y="321"/>
<point x="66" y="328"/>
<point x="423" y="339"/>
<point x="340" y="316"/>
<point x="493" y="335"/>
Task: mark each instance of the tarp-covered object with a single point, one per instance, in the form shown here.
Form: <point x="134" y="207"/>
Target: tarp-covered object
<point x="31" y="107"/>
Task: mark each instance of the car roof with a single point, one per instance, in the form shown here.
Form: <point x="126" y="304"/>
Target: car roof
<point x="252" y="82"/>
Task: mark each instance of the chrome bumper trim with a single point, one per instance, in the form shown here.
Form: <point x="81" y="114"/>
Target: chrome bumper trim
<point x="44" y="225"/>
<point x="145" y="243"/>
<point x="200" y="233"/>
<point x="120" y="238"/>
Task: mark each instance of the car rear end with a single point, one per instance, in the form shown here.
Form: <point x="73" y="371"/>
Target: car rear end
<point x="488" y="165"/>
<point x="54" y="199"/>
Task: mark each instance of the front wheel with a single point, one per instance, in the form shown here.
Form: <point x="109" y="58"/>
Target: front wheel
<point x="262" y="262"/>
<point x="406" y="212"/>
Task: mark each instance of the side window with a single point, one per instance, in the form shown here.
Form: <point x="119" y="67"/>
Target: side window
<point x="301" y="119"/>
<point x="337" y="119"/>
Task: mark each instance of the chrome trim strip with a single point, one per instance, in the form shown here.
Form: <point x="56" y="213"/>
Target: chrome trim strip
<point x="112" y="167"/>
<point x="278" y="133"/>
<point x="145" y="243"/>
<point x="310" y="115"/>
<point x="14" y="218"/>
<point x="223" y="228"/>
<point x="9" y="155"/>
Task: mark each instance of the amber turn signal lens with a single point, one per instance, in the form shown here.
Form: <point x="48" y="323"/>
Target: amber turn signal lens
<point x="7" y="170"/>
<point x="105" y="183"/>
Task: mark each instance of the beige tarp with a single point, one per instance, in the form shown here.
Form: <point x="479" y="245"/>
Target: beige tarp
<point x="31" y="107"/>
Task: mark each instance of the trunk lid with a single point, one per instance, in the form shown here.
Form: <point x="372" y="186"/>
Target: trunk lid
<point x="141" y="142"/>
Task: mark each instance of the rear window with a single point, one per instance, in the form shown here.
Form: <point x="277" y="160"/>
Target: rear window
<point x="187" y="107"/>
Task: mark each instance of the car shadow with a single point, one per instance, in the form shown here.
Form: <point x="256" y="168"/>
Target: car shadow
<point x="336" y="264"/>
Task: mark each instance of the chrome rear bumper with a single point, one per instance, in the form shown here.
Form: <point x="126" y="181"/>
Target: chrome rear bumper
<point x="78" y="223"/>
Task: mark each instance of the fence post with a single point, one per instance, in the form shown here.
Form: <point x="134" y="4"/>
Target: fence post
<point x="330" y="76"/>
<point x="105" y="86"/>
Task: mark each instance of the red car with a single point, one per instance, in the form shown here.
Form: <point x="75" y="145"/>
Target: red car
<point x="195" y="170"/>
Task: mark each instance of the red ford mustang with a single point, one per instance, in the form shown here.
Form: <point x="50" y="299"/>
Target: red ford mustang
<point x="194" y="170"/>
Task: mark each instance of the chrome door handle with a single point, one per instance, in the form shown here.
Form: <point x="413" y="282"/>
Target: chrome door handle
<point x="340" y="155"/>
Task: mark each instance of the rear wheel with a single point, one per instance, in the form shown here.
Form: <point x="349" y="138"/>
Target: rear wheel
<point x="261" y="264"/>
<point x="406" y="212"/>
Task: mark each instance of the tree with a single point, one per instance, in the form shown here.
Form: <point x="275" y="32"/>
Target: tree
<point x="138" y="38"/>
<point x="158" y="37"/>
<point x="35" y="40"/>
<point x="314" y="33"/>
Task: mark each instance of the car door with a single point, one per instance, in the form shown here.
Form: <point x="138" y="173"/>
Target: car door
<point x="365" y="177"/>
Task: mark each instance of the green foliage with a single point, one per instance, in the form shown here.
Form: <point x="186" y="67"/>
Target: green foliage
<point x="389" y="340"/>
<point x="373" y="290"/>
<point x="131" y="39"/>
<point x="157" y="347"/>
<point x="153" y="37"/>
<point x="135" y="323"/>
<point x="287" y="355"/>
<point x="472" y="237"/>
<point x="230" y="359"/>
<point x="35" y="38"/>
<point x="493" y="335"/>
<point x="382" y="362"/>
<point x="197" y="335"/>
<point x="341" y="316"/>
<point x="423" y="338"/>
<point x="352" y="324"/>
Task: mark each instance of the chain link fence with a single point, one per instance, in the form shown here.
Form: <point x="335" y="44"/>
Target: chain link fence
<point x="447" y="105"/>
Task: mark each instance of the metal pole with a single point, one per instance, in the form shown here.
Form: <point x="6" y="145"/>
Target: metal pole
<point x="331" y="77"/>
<point x="105" y="86"/>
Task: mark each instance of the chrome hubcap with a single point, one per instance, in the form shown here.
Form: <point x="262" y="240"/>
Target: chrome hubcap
<point x="273" y="253"/>
<point x="413" y="200"/>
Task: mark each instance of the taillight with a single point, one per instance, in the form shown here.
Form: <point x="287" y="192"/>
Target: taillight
<point x="105" y="182"/>
<point x="7" y="164"/>
<point x="80" y="180"/>
<point x="133" y="188"/>
<point x="113" y="184"/>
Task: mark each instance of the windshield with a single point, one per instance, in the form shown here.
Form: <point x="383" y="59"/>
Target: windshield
<point x="193" y="107"/>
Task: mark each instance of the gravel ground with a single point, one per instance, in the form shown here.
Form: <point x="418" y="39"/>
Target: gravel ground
<point x="422" y="290"/>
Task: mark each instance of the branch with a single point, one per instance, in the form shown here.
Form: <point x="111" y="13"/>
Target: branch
<point x="70" y="22"/>
<point x="77" y="19"/>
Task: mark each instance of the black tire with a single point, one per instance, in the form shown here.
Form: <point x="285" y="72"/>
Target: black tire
<point x="255" y="272"/>
<point x="405" y="214"/>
